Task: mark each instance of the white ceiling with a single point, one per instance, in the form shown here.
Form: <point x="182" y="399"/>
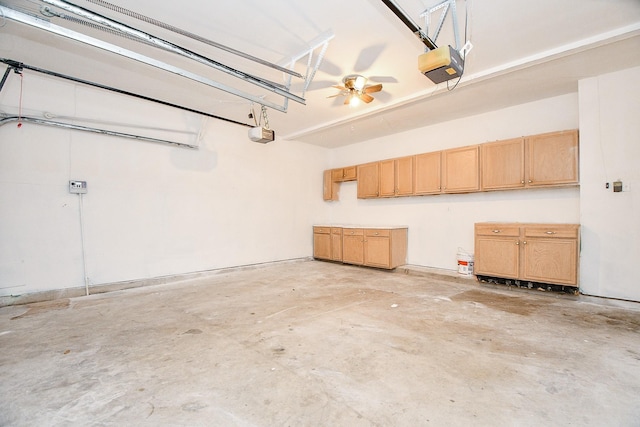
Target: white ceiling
<point x="522" y="51"/>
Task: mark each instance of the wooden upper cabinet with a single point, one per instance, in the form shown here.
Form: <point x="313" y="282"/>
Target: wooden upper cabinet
<point x="461" y="170"/>
<point x="503" y="164"/>
<point x="349" y="173"/>
<point x="404" y="176"/>
<point x="336" y="175"/>
<point x="387" y="178"/>
<point x="549" y="159"/>
<point x="330" y="187"/>
<point x="396" y="177"/>
<point x="427" y="168"/>
<point x="344" y="174"/>
<point x="552" y="158"/>
<point x="368" y="180"/>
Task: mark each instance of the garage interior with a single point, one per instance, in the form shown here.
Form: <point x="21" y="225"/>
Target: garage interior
<point x="167" y="172"/>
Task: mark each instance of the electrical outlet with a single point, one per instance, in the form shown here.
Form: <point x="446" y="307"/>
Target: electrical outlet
<point x="77" y="187"/>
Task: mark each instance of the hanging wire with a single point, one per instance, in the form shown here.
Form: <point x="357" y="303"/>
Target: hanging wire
<point x="20" y="102"/>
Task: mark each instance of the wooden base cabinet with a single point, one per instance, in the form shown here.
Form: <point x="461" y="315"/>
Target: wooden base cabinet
<point x="353" y="246"/>
<point x="545" y="253"/>
<point x="322" y="242"/>
<point x="375" y="247"/>
<point x="336" y="244"/>
<point x="371" y="247"/>
<point x="327" y="243"/>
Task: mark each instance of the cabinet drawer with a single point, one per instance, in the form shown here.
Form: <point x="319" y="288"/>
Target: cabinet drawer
<point x="322" y="230"/>
<point x="336" y="230"/>
<point x="498" y="230"/>
<point x="560" y="232"/>
<point x="377" y="232"/>
<point x="352" y="232"/>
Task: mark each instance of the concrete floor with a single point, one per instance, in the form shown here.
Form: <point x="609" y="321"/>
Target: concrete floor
<point x="319" y="344"/>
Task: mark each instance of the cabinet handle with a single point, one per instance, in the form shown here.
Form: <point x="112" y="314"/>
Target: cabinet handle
<point x="522" y="182"/>
<point x="530" y="181"/>
<point x="517" y="243"/>
<point x="550" y="232"/>
<point x="496" y="231"/>
<point x="524" y="243"/>
<point x="376" y="233"/>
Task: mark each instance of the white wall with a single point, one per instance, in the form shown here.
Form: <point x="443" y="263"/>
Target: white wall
<point x="151" y="209"/>
<point x="610" y="150"/>
<point x="439" y="225"/>
<point x="155" y="210"/>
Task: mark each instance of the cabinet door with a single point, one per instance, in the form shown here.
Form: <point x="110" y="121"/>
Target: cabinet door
<point x="404" y="176"/>
<point x="322" y="245"/>
<point x="368" y="180"/>
<point x="503" y="164"/>
<point x="349" y="173"/>
<point x="552" y="158"/>
<point x="387" y="178"/>
<point x="550" y="260"/>
<point x="461" y="170"/>
<point x="352" y="247"/>
<point x="497" y="256"/>
<point x="330" y="188"/>
<point x="427" y="173"/>
<point x="337" y="175"/>
<point x="377" y="251"/>
<point x="336" y="244"/>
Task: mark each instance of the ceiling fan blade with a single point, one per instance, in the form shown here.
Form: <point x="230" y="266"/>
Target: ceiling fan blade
<point x="383" y="79"/>
<point x="366" y="98"/>
<point x="373" y="88"/>
<point x="333" y="96"/>
<point x="339" y="87"/>
<point x="347" y="101"/>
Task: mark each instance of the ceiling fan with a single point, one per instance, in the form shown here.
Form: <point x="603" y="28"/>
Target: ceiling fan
<point x="356" y="90"/>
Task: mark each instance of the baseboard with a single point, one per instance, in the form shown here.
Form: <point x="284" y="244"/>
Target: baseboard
<point x="54" y="294"/>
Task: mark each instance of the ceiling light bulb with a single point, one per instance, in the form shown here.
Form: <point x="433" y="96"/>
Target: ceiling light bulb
<point x="355" y="101"/>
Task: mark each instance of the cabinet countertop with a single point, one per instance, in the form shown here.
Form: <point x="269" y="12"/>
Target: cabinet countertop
<point x="370" y="227"/>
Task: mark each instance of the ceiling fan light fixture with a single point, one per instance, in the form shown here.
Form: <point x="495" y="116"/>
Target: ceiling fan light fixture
<point x="356" y="90"/>
<point x="354" y="101"/>
<point x="354" y="81"/>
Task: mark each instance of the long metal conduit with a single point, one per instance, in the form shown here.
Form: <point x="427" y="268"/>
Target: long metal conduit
<point x="148" y="38"/>
<point x="11" y="119"/>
